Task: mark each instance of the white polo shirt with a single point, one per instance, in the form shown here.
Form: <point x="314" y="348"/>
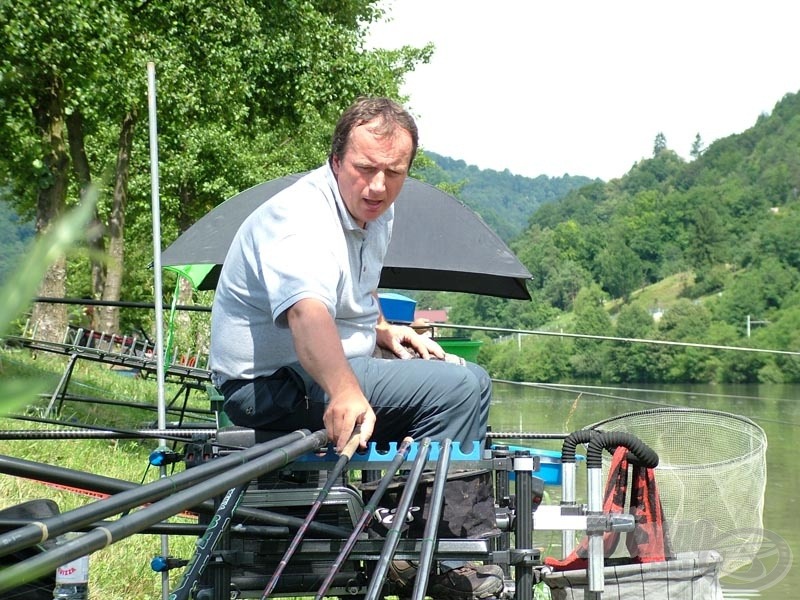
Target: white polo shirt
<point x="302" y="243"/>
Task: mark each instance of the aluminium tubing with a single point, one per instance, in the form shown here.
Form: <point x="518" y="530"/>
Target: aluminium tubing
<point x="643" y="455"/>
<point x="568" y="488"/>
<point x="102" y="537"/>
<point x="130" y="495"/>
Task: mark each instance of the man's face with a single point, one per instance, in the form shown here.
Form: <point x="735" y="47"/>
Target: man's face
<point x="372" y="171"/>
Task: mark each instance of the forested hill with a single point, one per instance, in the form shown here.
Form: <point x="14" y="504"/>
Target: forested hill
<point x="710" y="245"/>
<point x="504" y="200"/>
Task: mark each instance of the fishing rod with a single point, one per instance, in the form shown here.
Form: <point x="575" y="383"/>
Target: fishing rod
<point x="366" y="515"/>
<point x="103" y="431"/>
<point x="102" y="537"/>
<point x="378" y="577"/>
<point x="130" y="497"/>
<point x="580" y="389"/>
<point x="107" y="485"/>
<point x="206" y="544"/>
<point x="586" y="336"/>
<point x="344" y="458"/>
<point x="432" y="525"/>
<point x="117" y="303"/>
<point x="186" y="529"/>
<point x="107" y="434"/>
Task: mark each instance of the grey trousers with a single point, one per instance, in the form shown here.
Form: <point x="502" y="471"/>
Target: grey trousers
<point x="417" y="398"/>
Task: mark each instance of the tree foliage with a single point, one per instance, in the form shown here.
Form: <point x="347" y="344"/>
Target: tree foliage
<point x="246" y="90"/>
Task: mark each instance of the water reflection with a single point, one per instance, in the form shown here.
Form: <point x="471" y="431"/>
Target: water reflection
<point x="548" y="409"/>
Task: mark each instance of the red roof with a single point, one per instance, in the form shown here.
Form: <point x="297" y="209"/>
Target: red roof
<point x="435" y="316"/>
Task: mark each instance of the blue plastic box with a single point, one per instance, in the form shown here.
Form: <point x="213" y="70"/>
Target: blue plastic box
<point x="397" y="308"/>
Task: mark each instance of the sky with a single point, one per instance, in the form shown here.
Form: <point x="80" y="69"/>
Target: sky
<point x="583" y="87"/>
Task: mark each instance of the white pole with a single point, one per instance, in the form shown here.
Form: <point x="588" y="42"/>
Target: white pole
<point x="159" y="349"/>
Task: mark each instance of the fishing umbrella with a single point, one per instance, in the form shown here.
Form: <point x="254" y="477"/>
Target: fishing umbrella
<point x="437" y="244"/>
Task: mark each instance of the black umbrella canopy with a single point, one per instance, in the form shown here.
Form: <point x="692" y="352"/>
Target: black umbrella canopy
<point x="437" y="244"/>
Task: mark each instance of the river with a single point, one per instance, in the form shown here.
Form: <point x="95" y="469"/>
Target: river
<point x="775" y="408"/>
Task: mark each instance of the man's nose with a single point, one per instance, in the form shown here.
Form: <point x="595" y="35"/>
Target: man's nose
<point x="378" y="182"/>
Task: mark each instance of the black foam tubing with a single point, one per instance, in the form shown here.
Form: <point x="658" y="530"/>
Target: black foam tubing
<point x="609" y="440"/>
<point x="582" y="436"/>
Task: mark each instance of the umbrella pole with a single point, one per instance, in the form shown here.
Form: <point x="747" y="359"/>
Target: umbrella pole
<point x="156" y="213"/>
<point x="393" y="536"/>
<point x="366" y="515"/>
<point x="333" y="475"/>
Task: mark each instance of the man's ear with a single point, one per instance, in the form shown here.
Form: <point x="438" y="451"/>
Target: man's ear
<point x="335" y="165"/>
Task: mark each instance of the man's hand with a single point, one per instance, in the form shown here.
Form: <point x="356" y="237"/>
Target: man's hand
<point x="404" y="342"/>
<point x="344" y="414"/>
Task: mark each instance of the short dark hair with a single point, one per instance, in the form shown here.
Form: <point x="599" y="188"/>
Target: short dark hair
<point x="366" y="109"/>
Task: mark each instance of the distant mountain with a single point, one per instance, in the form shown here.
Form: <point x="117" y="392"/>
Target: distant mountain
<point x="504" y="200"/>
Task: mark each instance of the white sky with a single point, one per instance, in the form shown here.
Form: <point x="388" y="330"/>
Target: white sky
<point x="584" y="86"/>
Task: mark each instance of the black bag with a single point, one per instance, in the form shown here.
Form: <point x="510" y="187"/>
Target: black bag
<point x="468" y="511"/>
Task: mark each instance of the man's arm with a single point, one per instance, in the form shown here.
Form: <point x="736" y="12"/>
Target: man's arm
<point x="319" y="349"/>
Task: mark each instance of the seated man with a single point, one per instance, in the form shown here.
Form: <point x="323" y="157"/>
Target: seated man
<point x="296" y="319"/>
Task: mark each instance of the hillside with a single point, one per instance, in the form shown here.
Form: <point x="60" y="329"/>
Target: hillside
<point x="718" y="236"/>
<point x="504" y="200"/>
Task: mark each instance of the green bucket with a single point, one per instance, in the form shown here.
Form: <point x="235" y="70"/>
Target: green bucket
<point x="466" y="349"/>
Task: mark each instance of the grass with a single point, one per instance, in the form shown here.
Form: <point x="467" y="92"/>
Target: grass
<point x="121" y="571"/>
<point x="661" y="295"/>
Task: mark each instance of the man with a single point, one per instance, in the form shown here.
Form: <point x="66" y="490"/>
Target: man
<point x="296" y="319"/>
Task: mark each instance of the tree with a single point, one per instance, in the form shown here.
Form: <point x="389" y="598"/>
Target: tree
<point x="659" y="144"/>
<point x="591" y="318"/>
<point x="630" y="361"/>
<point x="697" y="147"/>
<point x="620" y="269"/>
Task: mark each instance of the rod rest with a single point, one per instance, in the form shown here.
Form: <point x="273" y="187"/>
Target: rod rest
<point x="245" y="437"/>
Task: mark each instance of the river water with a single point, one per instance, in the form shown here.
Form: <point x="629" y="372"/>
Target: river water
<point x="775" y="408"/>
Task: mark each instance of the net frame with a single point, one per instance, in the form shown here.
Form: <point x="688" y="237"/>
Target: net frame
<point x="711" y="477"/>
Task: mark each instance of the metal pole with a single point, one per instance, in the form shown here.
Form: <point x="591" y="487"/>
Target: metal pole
<point x="523" y="569"/>
<point x="108" y="485"/>
<point x="156" y="214"/>
<point x="596" y="556"/>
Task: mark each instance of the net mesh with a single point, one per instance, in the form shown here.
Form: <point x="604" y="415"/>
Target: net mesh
<point x="711" y="478"/>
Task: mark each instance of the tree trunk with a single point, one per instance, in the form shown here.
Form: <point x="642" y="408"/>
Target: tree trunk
<point x="50" y="320"/>
<point x="107" y="317"/>
<point x="96" y="228"/>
